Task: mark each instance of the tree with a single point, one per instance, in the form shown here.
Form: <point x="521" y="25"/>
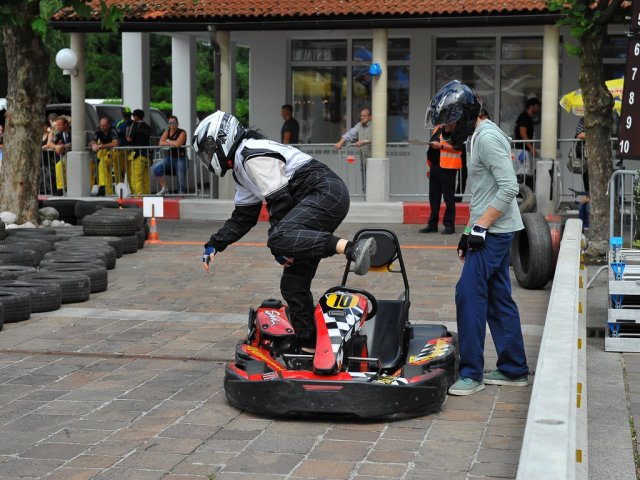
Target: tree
<point x="24" y="26"/>
<point x="588" y="20"/>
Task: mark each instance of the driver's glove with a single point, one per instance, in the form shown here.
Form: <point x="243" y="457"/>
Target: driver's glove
<point x="209" y="252"/>
<point x="477" y="237"/>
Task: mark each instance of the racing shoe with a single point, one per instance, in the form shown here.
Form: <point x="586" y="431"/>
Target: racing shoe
<point x="466" y="386"/>
<point x="360" y="252"/>
<point x="498" y="378"/>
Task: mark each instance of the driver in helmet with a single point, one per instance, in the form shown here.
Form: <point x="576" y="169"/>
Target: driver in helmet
<point x="483" y="292"/>
<point x="306" y="202"/>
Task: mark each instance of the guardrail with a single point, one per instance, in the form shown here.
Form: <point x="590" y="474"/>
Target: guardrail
<point x="622" y="206"/>
<point x="555" y="442"/>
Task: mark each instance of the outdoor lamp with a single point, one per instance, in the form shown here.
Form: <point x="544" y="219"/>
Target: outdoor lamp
<point x="66" y="59"/>
<point x="375" y="69"/>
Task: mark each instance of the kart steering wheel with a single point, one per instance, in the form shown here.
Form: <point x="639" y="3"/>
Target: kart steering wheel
<point x="370" y="298"/>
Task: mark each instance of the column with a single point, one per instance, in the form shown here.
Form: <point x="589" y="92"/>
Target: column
<point x="135" y="71"/>
<point x="78" y="181"/>
<point x="378" y="165"/>
<point x="549" y="118"/>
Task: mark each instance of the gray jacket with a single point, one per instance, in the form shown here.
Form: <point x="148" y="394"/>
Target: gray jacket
<point x="491" y="177"/>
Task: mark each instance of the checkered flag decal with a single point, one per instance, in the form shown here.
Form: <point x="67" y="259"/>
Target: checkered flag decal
<point x="341" y="329"/>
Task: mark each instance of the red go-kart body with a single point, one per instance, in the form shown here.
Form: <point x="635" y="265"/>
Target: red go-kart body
<point x="370" y="361"/>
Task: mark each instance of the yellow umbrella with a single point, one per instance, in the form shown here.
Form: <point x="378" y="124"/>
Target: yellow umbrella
<point x="573" y="103"/>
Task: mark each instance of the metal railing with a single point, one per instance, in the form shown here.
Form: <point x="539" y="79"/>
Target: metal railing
<point x="622" y="206"/>
<point x="407" y="182"/>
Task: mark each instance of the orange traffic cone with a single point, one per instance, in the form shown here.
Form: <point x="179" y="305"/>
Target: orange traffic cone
<point x="153" y="232"/>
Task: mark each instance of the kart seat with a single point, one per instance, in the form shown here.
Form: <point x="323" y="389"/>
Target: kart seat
<point x="385" y="331"/>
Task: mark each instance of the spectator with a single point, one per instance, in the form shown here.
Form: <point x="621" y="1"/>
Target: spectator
<point x="60" y="143"/>
<point x="306" y="202"/>
<point x="104" y="140"/>
<point x="523" y="134"/>
<point x="139" y="136"/>
<point x="360" y="136"/>
<point x="47" y="161"/>
<point x="290" y="132"/>
<point x="444" y="163"/>
<point x="175" y="160"/>
<point x="483" y="293"/>
<point x="121" y="126"/>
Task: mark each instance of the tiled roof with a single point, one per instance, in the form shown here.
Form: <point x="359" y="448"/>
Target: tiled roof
<point x="202" y="10"/>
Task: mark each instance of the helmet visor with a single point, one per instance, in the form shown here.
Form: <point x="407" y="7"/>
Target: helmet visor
<point x="205" y="159"/>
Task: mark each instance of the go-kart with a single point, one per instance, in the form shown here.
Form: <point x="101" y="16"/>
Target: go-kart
<point x="369" y="360"/>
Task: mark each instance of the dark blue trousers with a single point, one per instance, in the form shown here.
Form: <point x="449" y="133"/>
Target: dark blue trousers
<point x="483" y="296"/>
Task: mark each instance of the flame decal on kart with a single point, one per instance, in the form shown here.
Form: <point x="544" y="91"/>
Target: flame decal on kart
<point x="434" y="349"/>
<point x="258" y="354"/>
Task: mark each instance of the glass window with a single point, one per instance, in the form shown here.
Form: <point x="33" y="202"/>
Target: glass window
<point x="522" y="48"/>
<point x="397" y="50"/>
<point x="319" y="102"/>
<point x="318" y="50"/>
<point x="615" y="47"/>
<point x="519" y="83"/>
<point x="466" y="49"/>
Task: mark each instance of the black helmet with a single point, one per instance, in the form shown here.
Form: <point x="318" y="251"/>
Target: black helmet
<point x="454" y="103"/>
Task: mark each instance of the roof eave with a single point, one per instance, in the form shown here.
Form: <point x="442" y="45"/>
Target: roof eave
<point x="313" y="23"/>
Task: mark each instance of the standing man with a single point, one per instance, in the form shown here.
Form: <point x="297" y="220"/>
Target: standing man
<point x="360" y="136"/>
<point x="483" y="293"/>
<point x="61" y="144"/>
<point x="524" y="132"/>
<point x="290" y="132"/>
<point x="121" y="126"/>
<point x="444" y="163"/>
<point x="139" y="136"/>
<point x="104" y="140"/>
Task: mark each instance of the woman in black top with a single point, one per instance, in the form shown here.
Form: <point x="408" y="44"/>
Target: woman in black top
<point x="175" y="160"/>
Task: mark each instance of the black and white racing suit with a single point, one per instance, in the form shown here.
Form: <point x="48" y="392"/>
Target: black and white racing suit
<point x="306" y="202"/>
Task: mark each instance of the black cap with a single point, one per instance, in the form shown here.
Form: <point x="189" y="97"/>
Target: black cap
<point x="138" y="113"/>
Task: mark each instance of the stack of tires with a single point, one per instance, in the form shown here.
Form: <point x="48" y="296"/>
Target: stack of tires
<point x="42" y="268"/>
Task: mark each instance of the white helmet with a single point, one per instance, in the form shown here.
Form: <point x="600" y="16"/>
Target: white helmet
<point x="216" y="139"/>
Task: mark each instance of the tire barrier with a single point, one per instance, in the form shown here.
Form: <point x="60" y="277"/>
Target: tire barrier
<point x="12" y="272"/>
<point x="45" y="297"/>
<point x="531" y="252"/>
<point x="16" y="305"/>
<point x="17" y="256"/>
<point x="97" y="274"/>
<point x="118" y="224"/>
<point x="555" y="229"/>
<point x="3" y="232"/>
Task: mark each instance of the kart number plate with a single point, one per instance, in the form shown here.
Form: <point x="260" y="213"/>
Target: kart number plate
<point x="340" y="300"/>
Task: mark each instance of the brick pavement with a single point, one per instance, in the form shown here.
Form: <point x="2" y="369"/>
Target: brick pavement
<point x="129" y="384"/>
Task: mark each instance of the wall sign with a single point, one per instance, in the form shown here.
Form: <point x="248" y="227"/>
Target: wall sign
<point x="629" y="133"/>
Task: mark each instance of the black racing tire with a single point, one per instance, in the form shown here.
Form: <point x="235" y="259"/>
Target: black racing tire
<point x="96" y="273"/>
<point x="147" y="231"/>
<point x="17" y="256"/>
<point x="118" y="225"/>
<point x="89" y="242"/>
<point x="129" y="244"/>
<point x="73" y="262"/>
<point x="526" y="199"/>
<point x="33" y="233"/>
<point x="36" y="248"/>
<point x="70" y="231"/>
<point x="64" y="206"/>
<point x="11" y="272"/>
<point x="74" y="287"/>
<point x="38" y="245"/>
<point x="16" y="305"/>
<point x="3" y="231"/>
<point x="140" y="237"/>
<point x="45" y="297"/>
<point x="531" y="252"/>
<point x="107" y="257"/>
<point x="84" y="208"/>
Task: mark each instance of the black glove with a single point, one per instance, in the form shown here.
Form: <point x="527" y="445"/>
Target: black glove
<point x="477" y="237"/>
<point x="463" y="245"/>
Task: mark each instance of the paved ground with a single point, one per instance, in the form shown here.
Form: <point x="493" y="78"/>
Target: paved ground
<point x="129" y="384"/>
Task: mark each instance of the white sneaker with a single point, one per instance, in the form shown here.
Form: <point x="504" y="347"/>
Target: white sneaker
<point x="162" y="192"/>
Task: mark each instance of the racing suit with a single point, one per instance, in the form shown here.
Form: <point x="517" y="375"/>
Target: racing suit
<point x="306" y="202"/>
